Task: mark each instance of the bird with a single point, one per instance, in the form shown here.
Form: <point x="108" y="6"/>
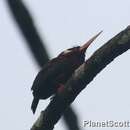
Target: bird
<point x="57" y="71"/>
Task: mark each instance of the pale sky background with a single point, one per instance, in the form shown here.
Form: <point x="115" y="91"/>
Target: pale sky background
<point x="64" y="23"/>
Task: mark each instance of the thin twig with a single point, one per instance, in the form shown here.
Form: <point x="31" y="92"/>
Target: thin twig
<point x="37" y="47"/>
<point x="29" y="31"/>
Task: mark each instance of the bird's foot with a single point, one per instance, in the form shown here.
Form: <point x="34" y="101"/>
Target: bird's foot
<point x="60" y="88"/>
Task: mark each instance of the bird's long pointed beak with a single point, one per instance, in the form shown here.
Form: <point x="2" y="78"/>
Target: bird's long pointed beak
<point x="87" y="44"/>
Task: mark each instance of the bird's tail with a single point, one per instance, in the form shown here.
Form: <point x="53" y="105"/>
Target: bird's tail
<point x="34" y="104"/>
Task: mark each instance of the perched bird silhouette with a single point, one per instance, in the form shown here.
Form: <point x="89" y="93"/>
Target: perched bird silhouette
<point x="57" y="71"/>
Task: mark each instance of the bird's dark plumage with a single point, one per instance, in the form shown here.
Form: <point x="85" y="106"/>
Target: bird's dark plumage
<point x="57" y="71"/>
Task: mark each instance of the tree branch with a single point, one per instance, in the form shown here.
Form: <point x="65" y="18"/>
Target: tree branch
<point x="29" y="31"/>
<point x="37" y="46"/>
<point x="82" y="77"/>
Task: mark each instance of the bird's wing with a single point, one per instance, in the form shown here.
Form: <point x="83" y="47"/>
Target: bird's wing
<point x="49" y="72"/>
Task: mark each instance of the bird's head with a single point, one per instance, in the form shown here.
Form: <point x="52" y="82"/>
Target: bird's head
<point x="79" y="50"/>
